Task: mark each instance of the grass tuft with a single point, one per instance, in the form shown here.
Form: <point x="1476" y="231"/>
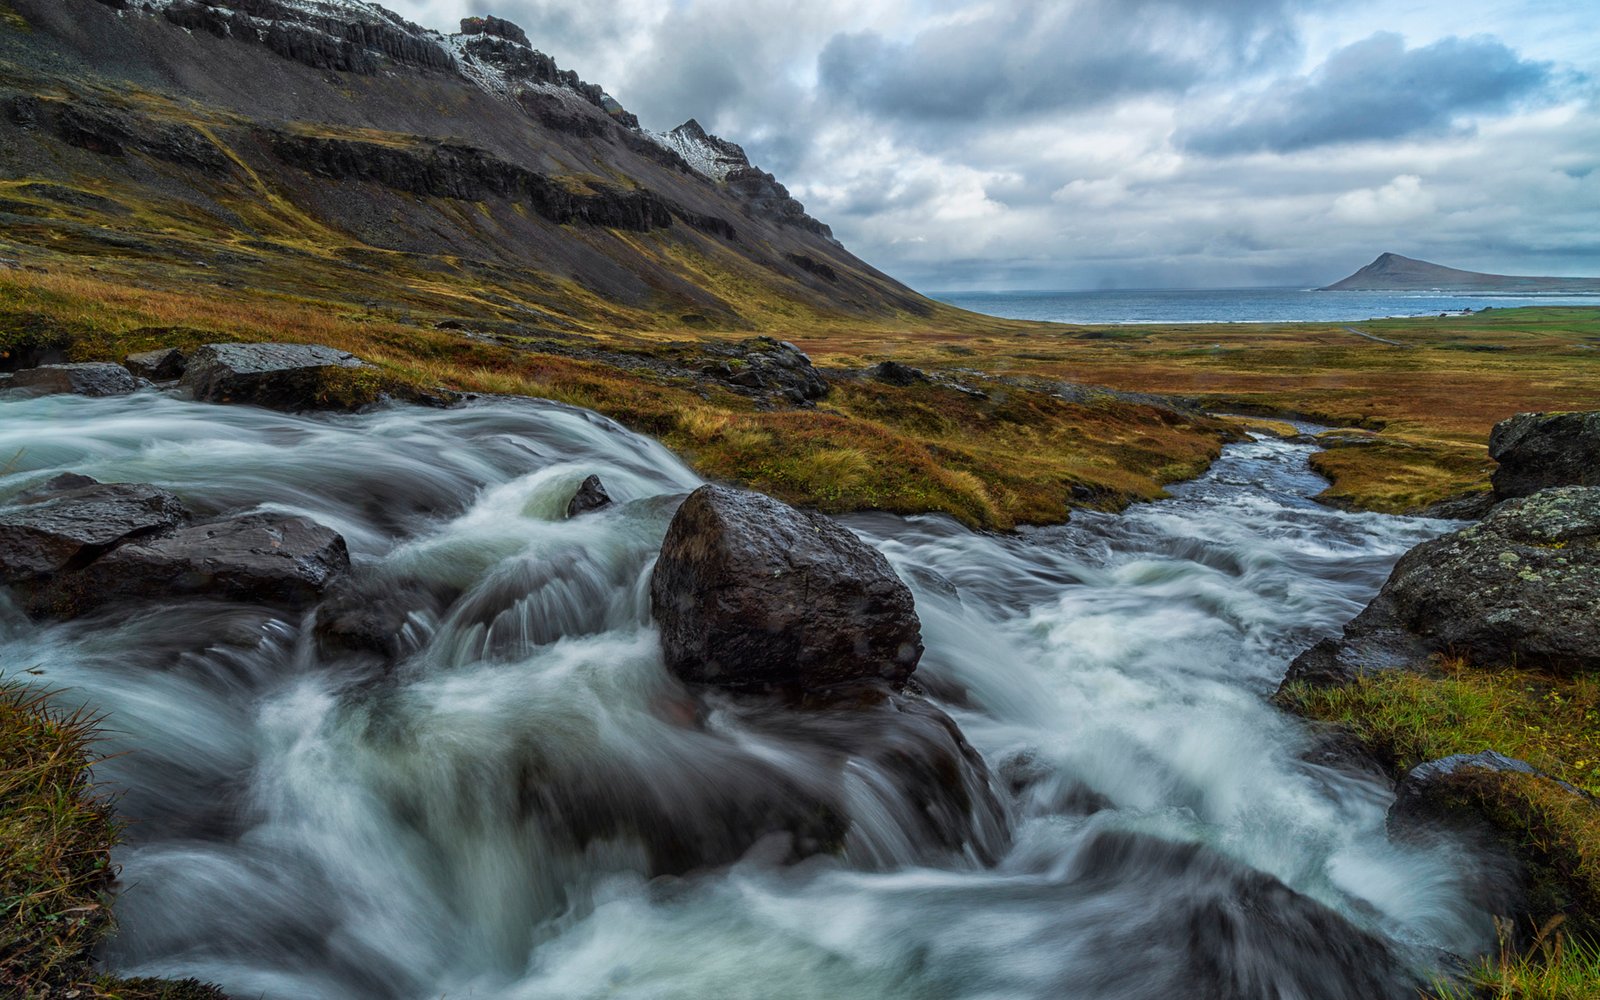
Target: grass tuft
<point x="1556" y="967"/>
<point x="57" y="832"/>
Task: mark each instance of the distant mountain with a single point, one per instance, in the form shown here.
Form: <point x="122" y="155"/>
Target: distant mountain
<point x="330" y="148"/>
<point x="1394" y="273"/>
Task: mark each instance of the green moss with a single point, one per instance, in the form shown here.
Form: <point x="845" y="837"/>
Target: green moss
<point x="11" y="20"/>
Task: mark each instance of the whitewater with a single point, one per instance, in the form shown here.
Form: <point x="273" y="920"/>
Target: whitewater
<point x="303" y="825"/>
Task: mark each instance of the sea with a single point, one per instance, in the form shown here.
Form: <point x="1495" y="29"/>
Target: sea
<point x="1238" y="305"/>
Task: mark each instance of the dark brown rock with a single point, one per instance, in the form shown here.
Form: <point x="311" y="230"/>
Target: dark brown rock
<point x="591" y="496"/>
<point x="895" y="373"/>
<point x="269" y="559"/>
<point x="753" y="594"/>
<point x="926" y="783"/>
<point x="1540" y="450"/>
<point x="162" y="365"/>
<point x="72" y="519"/>
<point x="82" y="379"/>
<point x="373" y="615"/>
<point x="278" y="376"/>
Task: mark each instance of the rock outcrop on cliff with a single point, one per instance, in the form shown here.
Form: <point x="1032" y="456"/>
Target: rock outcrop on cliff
<point x="365" y="146"/>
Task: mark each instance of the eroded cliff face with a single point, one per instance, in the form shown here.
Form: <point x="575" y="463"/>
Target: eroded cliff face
<point x="300" y="145"/>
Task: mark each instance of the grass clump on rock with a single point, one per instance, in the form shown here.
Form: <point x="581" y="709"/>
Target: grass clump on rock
<point x="1552" y="722"/>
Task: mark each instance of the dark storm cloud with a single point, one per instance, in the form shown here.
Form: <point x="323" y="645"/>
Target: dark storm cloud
<point x="1044" y="55"/>
<point x="1377" y="89"/>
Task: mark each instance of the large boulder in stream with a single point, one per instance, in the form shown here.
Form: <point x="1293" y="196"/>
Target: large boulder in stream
<point x="751" y="594"/>
<point x="277" y="560"/>
<point x="70" y="520"/>
<point x="1522" y="586"/>
<point x="287" y="377"/>
<point x="1540" y="450"/>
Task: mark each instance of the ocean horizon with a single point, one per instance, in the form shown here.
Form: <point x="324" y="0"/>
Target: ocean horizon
<point x="1238" y="305"/>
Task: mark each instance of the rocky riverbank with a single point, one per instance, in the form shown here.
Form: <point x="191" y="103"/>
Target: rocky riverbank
<point x="1471" y="680"/>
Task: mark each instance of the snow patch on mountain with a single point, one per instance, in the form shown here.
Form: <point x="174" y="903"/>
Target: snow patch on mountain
<point x="709" y="155"/>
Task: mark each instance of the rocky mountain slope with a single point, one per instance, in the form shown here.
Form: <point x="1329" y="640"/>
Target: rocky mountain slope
<point x="1394" y="273"/>
<point x="331" y="149"/>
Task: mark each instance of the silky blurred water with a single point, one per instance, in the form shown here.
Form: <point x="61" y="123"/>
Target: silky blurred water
<point x="303" y="827"/>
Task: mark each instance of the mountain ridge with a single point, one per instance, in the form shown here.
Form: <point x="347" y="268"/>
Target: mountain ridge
<point x="1394" y="272"/>
<point x="306" y="146"/>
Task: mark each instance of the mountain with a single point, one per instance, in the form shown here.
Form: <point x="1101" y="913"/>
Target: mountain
<point x="330" y="149"/>
<point x="1394" y="273"/>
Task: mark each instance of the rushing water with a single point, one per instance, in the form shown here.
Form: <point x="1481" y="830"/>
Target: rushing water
<point x="308" y="828"/>
<point x="1240" y="305"/>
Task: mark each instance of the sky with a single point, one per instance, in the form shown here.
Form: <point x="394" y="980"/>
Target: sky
<point x="1083" y="144"/>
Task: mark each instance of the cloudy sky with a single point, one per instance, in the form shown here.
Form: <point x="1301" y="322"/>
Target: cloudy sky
<point x="1061" y="144"/>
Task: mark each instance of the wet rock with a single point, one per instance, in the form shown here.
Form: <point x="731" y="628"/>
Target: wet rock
<point x="1540" y="450"/>
<point x="275" y="560"/>
<point x="162" y="365"/>
<point x="83" y="379"/>
<point x="753" y="594"/>
<point x="591" y="496"/>
<point x="1521" y="586"/>
<point x="278" y="376"/>
<point x="1223" y="932"/>
<point x="1418" y="795"/>
<point x="1463" y="507"/>
<point x="896" y="762"/>
<point x="895" y="373"/>
<point x="71" y="520"/>
<point x="376" y="615"/>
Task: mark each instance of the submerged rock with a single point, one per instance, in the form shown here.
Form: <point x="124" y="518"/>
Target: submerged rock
<point x="1522" y="586"/>
<point x="752" y="594"/>
<point x="82" y="379"/>
<point x="890" y="779"/>
<point x="70" y="520"/>
<point x="162" y="365"/>
<point x="275" y="560"/>
<point x="1540" y="450"/>
<point x="591" y="496"/>
<point x="374" y="615"/>
<point x="279" y="376"/>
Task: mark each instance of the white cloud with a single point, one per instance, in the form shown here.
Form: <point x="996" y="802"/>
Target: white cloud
<point x="1057" y="184"/>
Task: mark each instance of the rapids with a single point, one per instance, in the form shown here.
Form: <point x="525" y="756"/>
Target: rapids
<point x="303" y="827"/>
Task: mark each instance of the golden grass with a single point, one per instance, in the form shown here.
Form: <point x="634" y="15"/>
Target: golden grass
<point x="1012" y="457"/>
<point x="55" y="838"/>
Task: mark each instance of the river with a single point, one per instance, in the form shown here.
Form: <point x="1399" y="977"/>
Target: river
<point x="308" y="827"/>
